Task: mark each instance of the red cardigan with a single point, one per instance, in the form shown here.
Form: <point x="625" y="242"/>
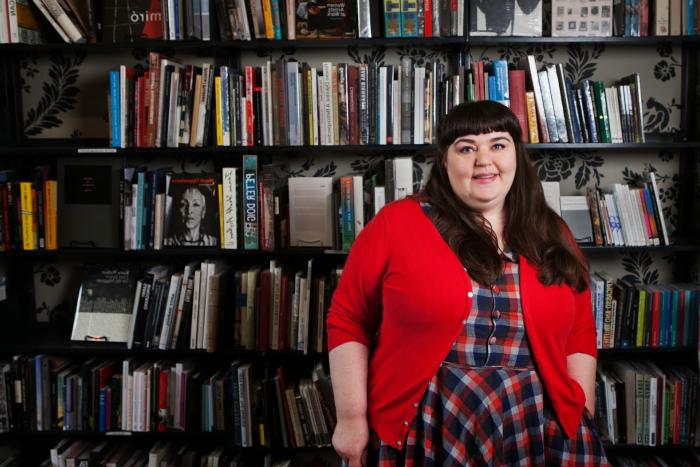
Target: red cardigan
<point x="403" y="293"/>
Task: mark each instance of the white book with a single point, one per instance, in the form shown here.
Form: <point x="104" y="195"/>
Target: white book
<point x="170" y="311"/>
<point x="242" y="20"/>
<point x="652" y="178"/>
<point x="60" y="17"/>
<point x="638" y="213"/>
<point x="329" y="124"/>
<point x="614" y="219"/>
<point x="194" y="323"/>
<point x="4" y="26"/>
<point x="268" y="103"/>
<point x="364" y="19"/>
<point x="174" y="110"/>
<point x="576" y="214"/>
<point x="382" y="104"/>
<point x="171" y="21"/>
<point x="314" y="129"/>
<point x="321" y="104"/>
<point x="403" y="177"/>
<point x="230" y="239"/>
<point x="358" y="203"/>
<point x="552" y="194"/>
<point x="203" y="297"/>
<point x="125" y="402"/>
<point x="622" y="213"/>
<point x="379" y="198"/>
<point x="661" y="17"/>
<point x="206" y="20"/>
<point x="187" y="274"/>
<point x="418" y="104"/>
<point x="311" y="211"/>
<point x="396" y="110"/>
<point x="557" y="102"/>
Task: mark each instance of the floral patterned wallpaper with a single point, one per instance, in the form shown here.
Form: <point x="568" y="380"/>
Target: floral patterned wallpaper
<point x="66" y="96"/>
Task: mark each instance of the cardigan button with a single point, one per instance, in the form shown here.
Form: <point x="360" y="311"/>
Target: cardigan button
<point x="464" y="321"/>
<point x="496" y="289"/>
<point x="492" y="340"/>
<point x="415" y="405"/>
<point x="496" y="314"/>
<point x="405" y="423"/>
<point x="398" y="443"/>
<point x="470" y="294"/>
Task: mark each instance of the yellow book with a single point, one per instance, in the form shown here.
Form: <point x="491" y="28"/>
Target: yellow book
<point x="220" y="189"/>
<point x="217" y="110"/>
<point x="639" y="341"/>
<point x="267" y="14"/>
<point x="27" y="213"/>
<point x="50" y="215"/>
<point x="531" y="117"/>
<point x="310" y="105"/>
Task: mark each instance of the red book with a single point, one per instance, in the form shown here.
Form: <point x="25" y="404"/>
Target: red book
<point x="353" y="86"/>
<point x="152" y="98"/>
<point x="249" y="116"/>
<point x="284" y="298"/>
<point x="163" y="399"/>
<point x="516" y="83"/>
<point x="645" y="209"/>
<point x="428" y="15"/>
<point x="264" y="310"/>
<point x="655" y="317"/>
<point x="479" y="79"/>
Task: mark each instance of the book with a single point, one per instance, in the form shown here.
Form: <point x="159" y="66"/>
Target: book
<point x="103" y="311"/>
<point x="576" y="19"/>
<point x="509" y="18"/>
<point x="194" y="211"/>
<point x="575" y="212"/>
<point x="310" y="211"/>
<point x="89" y="190"/>
<point x="325" y="19"/>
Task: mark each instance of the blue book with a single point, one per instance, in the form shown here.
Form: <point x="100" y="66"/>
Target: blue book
<point x="392" y="18"/>
<point x="493" y="89"/>
<point x="690" y="24"/>
<point x="38" y="388"/>
<point x="409" y="18"/>
<point x="500" y="73"/>
<point x="102" y="418"/>
<point x="114" y="108"/>
<point x="276" y="22"/>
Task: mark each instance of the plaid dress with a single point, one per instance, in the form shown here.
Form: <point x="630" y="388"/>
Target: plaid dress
<point x="486" y="404"/>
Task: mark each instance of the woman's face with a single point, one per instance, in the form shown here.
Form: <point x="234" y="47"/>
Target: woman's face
<point x="192" y="208"/>
<point x="481" y="169"/>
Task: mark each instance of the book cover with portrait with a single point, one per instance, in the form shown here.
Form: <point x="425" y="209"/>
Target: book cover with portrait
<point x="325" y="19"/>
<point x="192" y="211"/>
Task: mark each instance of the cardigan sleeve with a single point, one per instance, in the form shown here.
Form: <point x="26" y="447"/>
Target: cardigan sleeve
<point x="582" y="338"/>
<point x="355" y="308"/>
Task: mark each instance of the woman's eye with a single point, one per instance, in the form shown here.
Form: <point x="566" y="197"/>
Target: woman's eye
<point x="466" y="149"/>
<point x="498" y="146"/>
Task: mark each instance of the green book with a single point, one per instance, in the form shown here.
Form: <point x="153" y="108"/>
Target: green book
<point x="250" y="202"/>
<point x="602" y="111"/>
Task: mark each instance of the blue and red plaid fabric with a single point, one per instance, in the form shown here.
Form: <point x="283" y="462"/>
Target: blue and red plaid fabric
<point x="486" y="404"/>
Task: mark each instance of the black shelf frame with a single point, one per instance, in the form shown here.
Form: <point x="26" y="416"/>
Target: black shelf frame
<point x="263" y="44"/>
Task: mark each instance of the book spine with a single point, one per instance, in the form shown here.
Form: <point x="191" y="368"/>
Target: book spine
<point x="409" y="18"/>
<point x="602" y="111"/>
<point x="250" y="207"/>
<point x="392" y="18"/>
<point x="62" y="19"/>
<point x="27" y="214"/>
<point x="348" y="221"/>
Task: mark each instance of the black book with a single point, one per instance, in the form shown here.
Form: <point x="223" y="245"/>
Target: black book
<point x="154" y="310"/>
<point x="88" y="201"/>
<point x="258" y="119"/>
<point x="131" y="21"/>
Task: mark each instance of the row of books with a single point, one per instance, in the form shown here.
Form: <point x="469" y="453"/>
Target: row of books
<point x="207" y="305"/>
<point x="259" y="406"/>
<point x="280" y="103"/>
<point x="552" y="109"/>
<point x="631" y="215"/>
<point x="644" y="316"/>
<point x="644" y="404"/>
<point x="113" y="453"/>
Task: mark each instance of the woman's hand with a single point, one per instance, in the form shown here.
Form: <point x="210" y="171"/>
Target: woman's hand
<point x="350" y="440"/>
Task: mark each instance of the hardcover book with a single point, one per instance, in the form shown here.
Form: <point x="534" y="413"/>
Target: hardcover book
<point x="325" y="19"/>
<point x="88" y="202"/>
<point x="571" y="18"/>
<point x="132" y="21"/>
<point x="506" y="18"/>
<point x="104" y="307"/>
<point x="193" y="211"/>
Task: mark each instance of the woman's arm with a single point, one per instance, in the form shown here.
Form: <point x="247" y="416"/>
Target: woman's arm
<point x="581" y="367"/>
<point x="348" y="364"/>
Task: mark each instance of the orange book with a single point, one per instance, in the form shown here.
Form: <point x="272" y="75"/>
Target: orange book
<point x="531" y="117"/>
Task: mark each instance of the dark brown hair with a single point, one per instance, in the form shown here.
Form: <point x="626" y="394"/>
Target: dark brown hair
<point x="531" y="228"/>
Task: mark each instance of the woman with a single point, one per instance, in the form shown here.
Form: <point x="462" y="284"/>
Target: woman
<point x="190" y="228"/>
<point x="461" y="332"/>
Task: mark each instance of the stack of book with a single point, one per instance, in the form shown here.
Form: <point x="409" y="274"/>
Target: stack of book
<point x="644" y="316"/>
<point x="28" y="208"/>
<point x="260" y="407"/>
<point x="280" y="103"/>
<point x="632" y="215"/>
<point x="206" y="305"/>
<point x="552" y="109"/>
<point x="641" y="403"/>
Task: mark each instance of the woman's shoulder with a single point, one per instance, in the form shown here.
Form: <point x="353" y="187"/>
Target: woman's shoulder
<point x="406" y="207"/>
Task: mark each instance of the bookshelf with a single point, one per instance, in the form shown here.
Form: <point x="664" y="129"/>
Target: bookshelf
<point x="17" y="150"/>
